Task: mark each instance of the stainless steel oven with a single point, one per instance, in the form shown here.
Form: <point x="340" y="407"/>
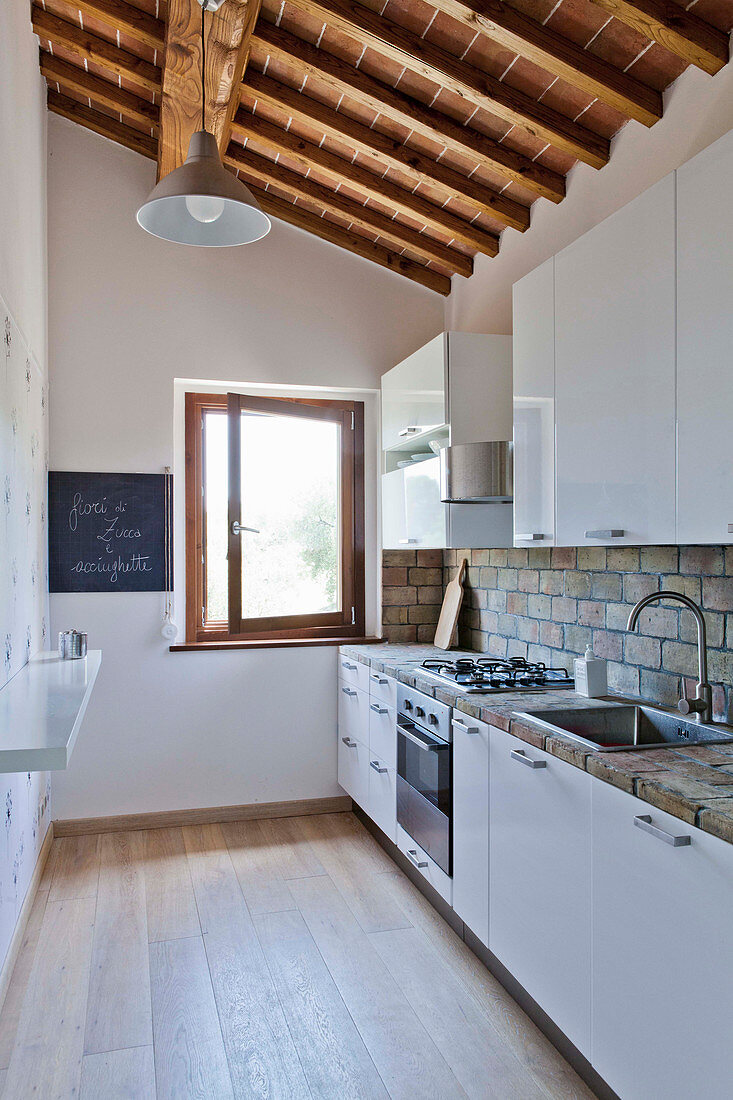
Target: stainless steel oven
<point x="425" y="773"/>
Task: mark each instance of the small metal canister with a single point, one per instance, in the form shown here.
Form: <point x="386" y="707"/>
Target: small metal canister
<point x="72" y="645"/>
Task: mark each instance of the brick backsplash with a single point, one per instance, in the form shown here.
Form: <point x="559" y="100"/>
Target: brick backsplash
<point x="548" y="604"/>
<point x="412" y="592"/>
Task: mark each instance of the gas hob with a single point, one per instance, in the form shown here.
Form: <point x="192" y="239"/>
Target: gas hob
<point x="494" y="675"/>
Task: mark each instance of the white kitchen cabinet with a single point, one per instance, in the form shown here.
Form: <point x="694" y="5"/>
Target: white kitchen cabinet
<point x="382" y="800"/>
<point x="704" y="343"/>
<point x="471" y="823"/>
<point x="539" y="879"/>
<point x="413" y="516"/>
<point x="662" y="954"/>
<point x="383" y="731"/>
<point x="382" y="688"/>
<point x="353" y="767"/>
<point x="534" y="407"/>
<point x="355" y="673"/>
<point x="414" y="394"/>
<point x="353" y="711"/>
<point x="428" y="868"/>
<point x="615" y="377"/>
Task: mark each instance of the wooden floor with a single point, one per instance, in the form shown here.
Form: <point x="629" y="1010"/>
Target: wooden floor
<point x="287" y="958"/>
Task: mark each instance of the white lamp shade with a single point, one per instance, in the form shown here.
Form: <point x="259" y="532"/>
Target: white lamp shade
<point x="225" y="212"/>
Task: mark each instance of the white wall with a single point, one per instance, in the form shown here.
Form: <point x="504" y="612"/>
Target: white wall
<point x="698" y="109"/>
<point x="24" y="798"/>
<point x="129" y="315"/>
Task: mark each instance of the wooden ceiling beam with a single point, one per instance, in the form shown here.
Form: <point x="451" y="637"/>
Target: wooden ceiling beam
<point x="426" y="121"/>
<point x="394" y="233"/>
<point x="102" y="92"/>
<point x="558" y="55"/>
<point x="352" y="242"/>
<point x="127" y="19"/>
<point x="102" y="124"/>
<point x="681" y="32"/>
<point x="371" y="142"/>
<point x="339" y="170"/>
<point x="228" y="42"/>
<point x="98" y="50"/>
<point x="379" y="33"/>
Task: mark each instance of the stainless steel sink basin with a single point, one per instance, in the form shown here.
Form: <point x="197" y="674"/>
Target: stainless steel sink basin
<point x="623" y="728"/>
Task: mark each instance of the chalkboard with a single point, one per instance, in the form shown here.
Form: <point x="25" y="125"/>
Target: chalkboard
<point x="106" y="532"/>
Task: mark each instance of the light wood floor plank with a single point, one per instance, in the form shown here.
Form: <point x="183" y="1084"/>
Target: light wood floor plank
<point x="76" y="868"/>
<point x="531" y="1048"/>
<point x="354" y="867"/>
<point x="292" y="853"/>
<point x="481" y="1061"/>
<point x="10" y="1015"/>
<point x="408" y="1061"/>
<point x="118" y="1012"/>
<point x="171" y="905"/>
<point x="119" y="1075"/>
<point x="262" y="1057"/>
<point x="190" y="1060"/>
<point x="47" y="1055"/>
<point x="255" y="863"/>
<point x="334" y="1058"/>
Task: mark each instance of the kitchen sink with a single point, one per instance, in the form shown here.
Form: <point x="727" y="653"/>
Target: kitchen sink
<point x="622" y="728"/>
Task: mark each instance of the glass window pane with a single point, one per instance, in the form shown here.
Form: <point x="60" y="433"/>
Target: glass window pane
<point x="290" y="493"/>
<point x="216" y="510"/>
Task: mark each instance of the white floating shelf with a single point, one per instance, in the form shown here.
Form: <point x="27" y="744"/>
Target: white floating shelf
<point x="41" y="710"/>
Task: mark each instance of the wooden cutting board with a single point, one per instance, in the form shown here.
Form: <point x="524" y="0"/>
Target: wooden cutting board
<point x="450" y="610"/>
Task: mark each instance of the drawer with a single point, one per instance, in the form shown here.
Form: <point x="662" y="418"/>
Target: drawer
<point x="353" y="768"/>
<point x="382" y="689"/>
<point x="383" y="732"/>
<point x="353" y="672"/>
<point x="353" y="711"/>
<point x="428" y="868"/>
<point x="382" y="807"/>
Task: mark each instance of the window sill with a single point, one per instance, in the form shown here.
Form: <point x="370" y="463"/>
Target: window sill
<point x="269" y="643"/>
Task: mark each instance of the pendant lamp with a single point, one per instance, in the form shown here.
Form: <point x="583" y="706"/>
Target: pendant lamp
<point x="201" y="203"/>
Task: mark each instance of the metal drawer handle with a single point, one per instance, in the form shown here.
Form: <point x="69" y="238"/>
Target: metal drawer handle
<point x="730" y="528"/>
<point x="412" y="856"/>
<point x="464" y="728"/>
<point x="379" y="679"/>
<point x="408" y="431"/>
<point x="351" y="668"/>
<point x="349" y="743"/>
<point x="644" y="821"/>
<point x="530" y="538"/>
<point x="378" y="710"/>
<point x="348" y="691"/>
<point x="375" y="764"/>
<point x="611" y="533"/>
<point x="520" y="755"/>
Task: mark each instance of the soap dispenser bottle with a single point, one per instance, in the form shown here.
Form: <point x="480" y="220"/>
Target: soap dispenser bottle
<point x="590" y="675"/>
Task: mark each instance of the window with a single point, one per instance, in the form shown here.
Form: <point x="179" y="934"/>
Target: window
<point x="274" y="518"/>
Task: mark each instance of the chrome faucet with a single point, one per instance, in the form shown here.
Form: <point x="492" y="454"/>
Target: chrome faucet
<point x="702" y="705"/>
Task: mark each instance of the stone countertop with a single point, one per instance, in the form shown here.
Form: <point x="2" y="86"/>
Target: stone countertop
<point x="694" y="784"/>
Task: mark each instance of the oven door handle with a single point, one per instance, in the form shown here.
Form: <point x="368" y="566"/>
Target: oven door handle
<point x="426" y="746"/>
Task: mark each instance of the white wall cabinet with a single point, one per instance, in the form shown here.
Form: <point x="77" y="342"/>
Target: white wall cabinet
<point x="662" y="955"/>
<point x="534" y="407"/>
<point x="704" y="343"/>
<point x="471" y="823"/>
<point x="615" y="377"/>
<point x="456" y="389"/>
<point x="539" y="879"/>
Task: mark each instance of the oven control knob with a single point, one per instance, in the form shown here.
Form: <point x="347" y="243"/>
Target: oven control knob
<point x="408" y="704"/>
<point x="420" y="712"/>
<point x="433" y="719"/>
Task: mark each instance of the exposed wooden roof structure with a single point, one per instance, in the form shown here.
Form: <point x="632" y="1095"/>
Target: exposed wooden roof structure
<point x="411" y="132"/>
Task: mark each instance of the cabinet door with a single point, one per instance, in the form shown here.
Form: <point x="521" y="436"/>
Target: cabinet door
<point x="471" y="823"/>
<point x="479" y="387"/>
<point x="425" y="514"/>
<point x="539" y="879"/>
<point x="353" y="768"/>
<point x="383" y="731"/>
<point x="353" y="711"/>
<point x="662" y="955"/>
<point x="615" y="377"/>
<point x="382" y="806"/>
<point x="704" y="343"/>
<point x="413" y="394"/>
<point x="534" y="407"/>
<point x="394" y="517"/>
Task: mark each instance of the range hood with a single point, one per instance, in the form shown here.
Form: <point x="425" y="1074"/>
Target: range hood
<point x="476" y="473"/>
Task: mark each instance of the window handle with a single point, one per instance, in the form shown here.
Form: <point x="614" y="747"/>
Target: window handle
<point x="237" y="528"/>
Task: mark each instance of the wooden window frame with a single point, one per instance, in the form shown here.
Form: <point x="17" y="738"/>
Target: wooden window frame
<point x="308" y="629"/>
